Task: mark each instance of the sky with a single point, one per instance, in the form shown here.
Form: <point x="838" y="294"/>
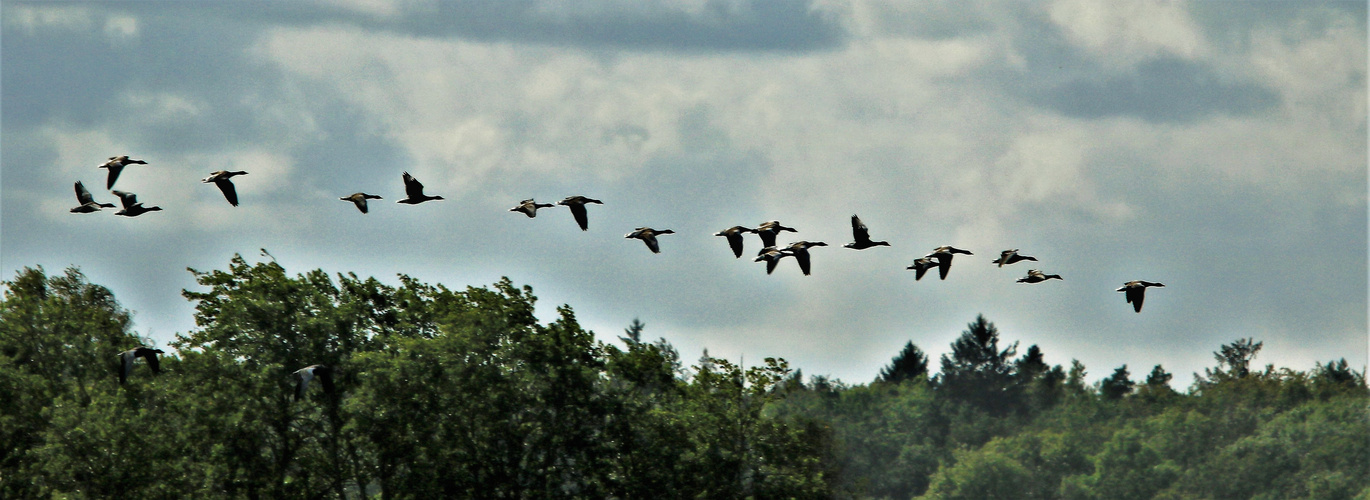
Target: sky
<point x="1219" y="148"/>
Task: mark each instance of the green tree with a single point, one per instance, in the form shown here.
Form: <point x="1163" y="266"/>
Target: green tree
<point x="978" y="373"/>
<point x="909" y="364"/>
<point x="1117" y="385"/>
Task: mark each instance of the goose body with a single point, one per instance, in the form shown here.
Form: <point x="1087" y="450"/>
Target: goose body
<point x="862" y="236"/>
<point x="87" y="202"/>
<point x="116" y="165"/>
<point x="413" y="190"/>
<point x="577" y="206"/>
<point x="304" y="375"/>
<point x="734" y="236"/>
<point x="772" y="256"/>
<point x="359" y="199"/>
<point x="1135" y="291"/>
<point x="127" y="358"/>
<point x="648" y="236"/>
<point x="530" y="208"/>
<point x="132" y="208"/>
<point x="767" y="231"/>
<point x="1035" y="276"/>
<point x="1012" y="256"/>
<point x="800" y="251"/>
<point x="921" y="265"/>
<point x="221" y="179"/>
<point x="943" y="255"/>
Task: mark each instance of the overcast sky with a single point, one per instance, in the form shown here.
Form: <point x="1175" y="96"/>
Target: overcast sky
<point x="1216" y="147"/>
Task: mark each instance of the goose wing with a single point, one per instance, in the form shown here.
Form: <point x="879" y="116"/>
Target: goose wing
<point x="650" y="240"/>
<point x="82" y="195"/>
<point x="230" y="193"/>
<point x="152" y="362"/>
<point x="412" y="186"/>
<point x="943" y="266"/>
<point x="1135" y="295"/>
<point x="582" y="218"/>
<point x="114" y="170"/>
<point x="127" y="199"/>
<point x="326" y="379"/>
<point x="803" y="257"/>
<point x="304" y="375"/>
<point x="735" y="241"/>
<point x="859" y="230"/>
<point x="125" y="365"/>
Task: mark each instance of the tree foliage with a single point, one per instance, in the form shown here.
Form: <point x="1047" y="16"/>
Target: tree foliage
<point x="444" y="393"/>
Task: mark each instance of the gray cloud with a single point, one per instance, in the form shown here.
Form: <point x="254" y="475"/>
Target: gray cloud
<point x="1164" y="90"/>
<point x="983" y="135"/>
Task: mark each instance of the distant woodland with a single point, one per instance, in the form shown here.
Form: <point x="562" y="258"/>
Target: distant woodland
<point x="441" y="393"/>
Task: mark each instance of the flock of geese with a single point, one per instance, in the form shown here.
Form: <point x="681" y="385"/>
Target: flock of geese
<point x="771" y="254"/>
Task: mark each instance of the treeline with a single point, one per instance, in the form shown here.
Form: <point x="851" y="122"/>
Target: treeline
<point x="446" y="393"/>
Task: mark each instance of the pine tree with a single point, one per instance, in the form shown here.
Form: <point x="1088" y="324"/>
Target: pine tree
<point x="1117" y="385"/>
<point x="910" y="364"/>
<point x="978" y="372"/>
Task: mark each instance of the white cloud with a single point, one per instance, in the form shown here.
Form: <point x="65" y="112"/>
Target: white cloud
<point x="119" y="27"/>
<point x="1122" y="33"/>
<point x="33" y="18"/>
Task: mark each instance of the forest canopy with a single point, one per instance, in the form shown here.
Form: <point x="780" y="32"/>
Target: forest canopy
<point x="430" y="392"/>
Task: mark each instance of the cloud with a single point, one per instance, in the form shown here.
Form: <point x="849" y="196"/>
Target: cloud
<point x="1121" y="34"/>
<point x="1160" y="90"/>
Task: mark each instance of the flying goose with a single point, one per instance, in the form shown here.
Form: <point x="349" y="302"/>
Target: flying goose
<point x="1136" y="292"/>
<point x="132" y="208"/>
<point x="359" y="199"/>
<point x="800" y="251"/>
<point x="921" y="266"/>
<point x="323" y="372"/>
<point x="772" y="256"/>
<point x="648" y="236"/>
<point x="1010" y="257"/>
<point x="221" y="178"/>
<point x="577" y="206"/>
<point x="1035" y="276"/>
<point x="943" y="256"/>
<point x="767" y="231"/>
<point x="87" y="202"/>
<point x="530" y="208"/>
<point x="414" y="190"/>
<point x="734" y="235"/>
<point x="862" y="236"/>
<point x="126" y="359"/>
<point x="115" y="165"/>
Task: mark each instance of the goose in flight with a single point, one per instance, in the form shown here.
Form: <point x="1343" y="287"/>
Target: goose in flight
<point x="127" y="358"/>
<point x="304" y="375"/>
<point x="862" y="236"/>
<point x="577" y="206"/>
<point x="943" y="256"/>
<point x="767" y="231"/>
<point x="359" y="199"/>
<point x="800" y="251"/>
<point x="530" y="208"/>
<point x="221" y="178"/>
<point x="116" y="165"/>
<point x="648" y="236"/>
<point x="132" y="207"/>
<point x="1011" y="256"/>
<point x="87" y="202"/>
<point x="772" y="256"/>
<point x="414" y="190"/>
<point x="921" y="266"/>
<point x="1035" y="276"/>
<point x="1136" y="292"/>
<point x="734" y="236"/>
